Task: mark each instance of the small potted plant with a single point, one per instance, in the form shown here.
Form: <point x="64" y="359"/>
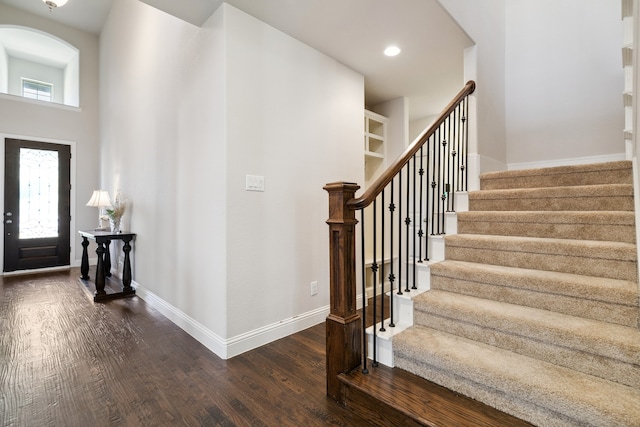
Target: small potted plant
<point x="115" y="213"/>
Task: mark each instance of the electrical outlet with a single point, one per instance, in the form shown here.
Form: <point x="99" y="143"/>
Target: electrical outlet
<point x="314" y="288"/>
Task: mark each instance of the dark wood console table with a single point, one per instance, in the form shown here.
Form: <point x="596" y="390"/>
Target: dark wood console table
<point x="103" y="267"/>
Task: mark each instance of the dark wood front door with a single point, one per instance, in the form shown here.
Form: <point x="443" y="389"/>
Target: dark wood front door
<point x="37" y="211"/>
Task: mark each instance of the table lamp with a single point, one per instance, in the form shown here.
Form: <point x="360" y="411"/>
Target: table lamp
<point x="100" y="199"/>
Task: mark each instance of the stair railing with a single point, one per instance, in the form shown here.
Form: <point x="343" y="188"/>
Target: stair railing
<point x="419" y="184"/>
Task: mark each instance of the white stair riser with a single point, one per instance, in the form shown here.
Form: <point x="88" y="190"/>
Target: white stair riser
<point x="422" y="274"/>
<point x="436" y="248"/>
<point x="462" y="201"/>
<point x="385" y="350"/>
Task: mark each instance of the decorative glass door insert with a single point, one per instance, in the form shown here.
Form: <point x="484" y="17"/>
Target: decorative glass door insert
<point x="38" y="193"/>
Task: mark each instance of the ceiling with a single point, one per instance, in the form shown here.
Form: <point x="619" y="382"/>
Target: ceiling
<point x="428" y="71"/>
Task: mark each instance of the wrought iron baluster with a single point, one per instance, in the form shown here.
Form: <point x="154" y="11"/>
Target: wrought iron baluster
<point x="407" y="222"/>
<point x="454" y="154"/>
<point x="374" y="271"/>
<point x="392" y="278"/>
<point x="382" y="261"/>
<point x="443" y="188"/>
<point x="445" y="168"/>
<point x="364" y="293"/>
<point x="439" y="179"/>
<point x="413" y="233"/>
<point x="450" y="147"/>
<point x="433" y="181"/>
<point x="465" y="145"/>
<point x="399" y="233"/>
<point x="426" y="210"/>
<point x="420" y="232"/>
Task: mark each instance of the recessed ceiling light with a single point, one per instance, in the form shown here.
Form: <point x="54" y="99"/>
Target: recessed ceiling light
<point x="392" y="51"/>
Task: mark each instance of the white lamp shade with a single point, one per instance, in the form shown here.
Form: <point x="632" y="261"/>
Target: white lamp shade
<point x="54" y="3"/>
<point x="100" y="199"/>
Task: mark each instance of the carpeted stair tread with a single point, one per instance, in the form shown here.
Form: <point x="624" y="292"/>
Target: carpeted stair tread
<point x="577" y="333"/>
<point x="608" y="300"/>
<point x="532" y="389"/>
<point x="586" y="225"/>
<point x="589" y="257"/>
<point x="596" y="288"/>
<point x="616" y="197"/>
<point x="600" y="173"/>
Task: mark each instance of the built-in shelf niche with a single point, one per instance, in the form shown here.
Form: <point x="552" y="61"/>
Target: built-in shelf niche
<point x="375" y="134"/>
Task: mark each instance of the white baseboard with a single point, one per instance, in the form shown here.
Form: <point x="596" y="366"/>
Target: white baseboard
<point x="266" y="334"/>
<point x="191" y="326"/>
<point x="229" y="347"/>
<point x="568" y="162"/>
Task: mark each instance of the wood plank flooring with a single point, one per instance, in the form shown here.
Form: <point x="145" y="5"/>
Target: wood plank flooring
<point x="66" y="361"/>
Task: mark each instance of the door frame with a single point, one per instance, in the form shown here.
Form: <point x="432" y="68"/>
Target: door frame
<point x="72" y="198"/>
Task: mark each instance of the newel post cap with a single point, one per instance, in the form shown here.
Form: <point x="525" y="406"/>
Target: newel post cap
<point x="339" y="194"/>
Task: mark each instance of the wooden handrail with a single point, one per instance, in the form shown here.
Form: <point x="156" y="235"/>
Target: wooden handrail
<point x="376" y="188"/>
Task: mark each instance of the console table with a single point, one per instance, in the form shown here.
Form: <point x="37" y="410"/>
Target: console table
<point x="103" y="267"/>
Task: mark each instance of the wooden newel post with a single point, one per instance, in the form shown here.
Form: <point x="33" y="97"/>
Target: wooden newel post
<point x="344" y="328"/>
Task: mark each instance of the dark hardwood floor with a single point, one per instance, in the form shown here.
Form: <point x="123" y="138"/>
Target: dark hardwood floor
<point x="66" y="361"/>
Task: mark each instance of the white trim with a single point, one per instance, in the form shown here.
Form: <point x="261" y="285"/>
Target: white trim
<point x="266" y="334"/>
<point x="568" y="162"/>
<point x="227" y="348"/>
<point x="191" y="326"/>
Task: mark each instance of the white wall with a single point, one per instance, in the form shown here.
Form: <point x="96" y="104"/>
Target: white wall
<point x="151" y="82"/>
<point x="484" y="22"/>
<point x="238" y="98"/>
<point x="27" y="119"/>
<point x="71" y="79"/>
<point x="4" y="70"/>
<point x="564" y="79"/>
<point x="295" y="117"/>
<point x="416" y="127"/>
<point x="397" y="111"/>
<point x="21" y="68"/>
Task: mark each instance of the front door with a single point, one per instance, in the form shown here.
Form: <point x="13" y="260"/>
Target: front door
<point x="37" y="211"/>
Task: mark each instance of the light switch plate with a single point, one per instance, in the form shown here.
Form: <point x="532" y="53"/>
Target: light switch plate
<point x="254" y="183"/>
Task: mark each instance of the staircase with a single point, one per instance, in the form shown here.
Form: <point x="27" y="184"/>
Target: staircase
<point x="534" y="310"/>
